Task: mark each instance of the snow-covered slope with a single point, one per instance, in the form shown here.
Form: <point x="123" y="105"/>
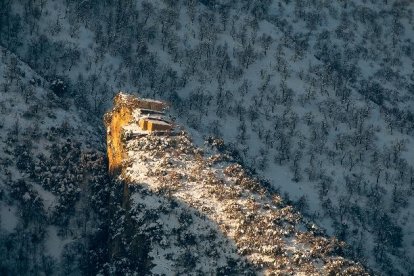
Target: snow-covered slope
<point x="46" y="150"/>
<point x="314" y="95"/>
<point x="190" y="203"/>
<point x="272" y="237"/>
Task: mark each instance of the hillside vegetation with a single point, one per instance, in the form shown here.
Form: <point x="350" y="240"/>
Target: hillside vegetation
<point x="267" y="232"/>
<point x="314" y="95"/>
<point x="51" y="167"/>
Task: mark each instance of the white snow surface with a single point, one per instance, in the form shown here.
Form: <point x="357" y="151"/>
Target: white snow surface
<point x="376" y="36"/>
<point x="242" y="210"/>
<point x="54" y="244"/>
<point x="8" y="217"/>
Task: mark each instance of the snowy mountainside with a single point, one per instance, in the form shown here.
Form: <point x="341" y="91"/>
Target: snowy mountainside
<point x="211" y="198"/>
<point x="314" y="95"/>
<point x="61" y="214"/>
<point x="271" y="235"/>
<point x="47" y="151"/>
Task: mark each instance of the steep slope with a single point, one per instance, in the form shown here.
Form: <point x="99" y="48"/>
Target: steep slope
<point x="50" y="157"/>
<point x="213" y="190"/>
<point x="55" y="197"/>
<point x="269" y="233"/>
<point x="315" y="95"/>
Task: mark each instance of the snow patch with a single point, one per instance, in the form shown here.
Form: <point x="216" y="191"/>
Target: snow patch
<point x="8" y="217"/>
<point x="54" y="244"/>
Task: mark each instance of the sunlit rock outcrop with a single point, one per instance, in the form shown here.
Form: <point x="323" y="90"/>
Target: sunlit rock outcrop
<point x="267" y="233"/>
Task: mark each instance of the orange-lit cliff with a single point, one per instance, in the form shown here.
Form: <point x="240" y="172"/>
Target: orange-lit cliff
<point x="121" y="115"/>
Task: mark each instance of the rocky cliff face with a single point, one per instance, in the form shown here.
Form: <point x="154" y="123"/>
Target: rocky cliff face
<point x="263" y="233"/>
<point x="120" y="116"/>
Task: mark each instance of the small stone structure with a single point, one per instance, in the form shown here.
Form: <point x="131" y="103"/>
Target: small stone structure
<point x="152" y="125"/>
<point x="136" y="116"/>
